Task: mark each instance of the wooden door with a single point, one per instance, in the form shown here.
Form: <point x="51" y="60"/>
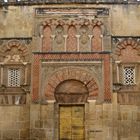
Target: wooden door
<point x="71" y="122"/>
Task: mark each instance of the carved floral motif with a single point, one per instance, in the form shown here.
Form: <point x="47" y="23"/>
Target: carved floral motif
<point x="123" y="43"/>
<point x="70" y="22"/>
<point x="14" y="51"/>
<point x="59" y="35"/>
<point x="84" y="38"/>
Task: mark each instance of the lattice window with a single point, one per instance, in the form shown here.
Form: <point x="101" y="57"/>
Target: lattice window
<point x="14" y="77"/>
<point x="129" y="75"/>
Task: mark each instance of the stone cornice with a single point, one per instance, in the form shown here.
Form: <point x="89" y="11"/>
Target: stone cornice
<point x="43" y="2"/>
<point x="71" y="11"/>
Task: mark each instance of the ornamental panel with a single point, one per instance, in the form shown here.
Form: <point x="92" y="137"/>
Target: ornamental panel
<point x="14" y="77"/>
<point x="129" y="75"/>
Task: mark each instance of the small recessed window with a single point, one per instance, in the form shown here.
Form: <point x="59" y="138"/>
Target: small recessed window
<point x="129" y="75"/>
<point x="13" y="77"/>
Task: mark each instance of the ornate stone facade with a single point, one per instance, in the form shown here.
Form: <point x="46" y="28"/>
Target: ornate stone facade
<point x="58" y="35"/>
<point x="61" y="67"/>
<point x="126" y="55"/>
<point x="15" y="60"/>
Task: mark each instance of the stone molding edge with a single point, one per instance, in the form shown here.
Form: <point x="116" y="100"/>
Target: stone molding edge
<point x="46" y="2"/>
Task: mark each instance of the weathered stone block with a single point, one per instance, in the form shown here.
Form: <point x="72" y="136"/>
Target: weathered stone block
<point x="44" y="115"/>
<point x="23" y="117"/>
<point x="10" y="134"/>
<point x="35" y="115"/>
<point x="38" y="133"/>
<point x="99" y="114"/>
<point x="124" y="128"/>
<point x="130" y="138"/>
<point x="138" y="116"/>
<point x="107" y="123"/>
<point x="38" y="124"/>
<point x="50" y="135"/>
<point x="92" y="122"/>
<point x="48" y="123"/>
<point x="135" y="128"/>
<point x="92" y="135"/>
<point x="127" y="115"/>
<point x="134" y="115"/>
<point x="35" y="107"/>
<point x="0" y="134"/>
<point x="24" y="134"/>
<point x="22" y="125"/>
<point x="106" y="115"/>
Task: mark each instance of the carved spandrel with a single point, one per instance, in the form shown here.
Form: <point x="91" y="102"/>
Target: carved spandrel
<point x="59" y="37"/>
<point x="96" y="69"/>
<point x="49" y="70"/>
<point x="59" y="40"/>
<point x="84" y="35"/>
<point x="71" y="39"/>
<point x="46" y="39"/>
<point x="14" y="50"/>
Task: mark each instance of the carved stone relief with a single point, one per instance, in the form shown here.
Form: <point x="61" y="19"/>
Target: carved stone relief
<point x="126" y="49"/>
<point x="71" y="35"/>
<point x="47" y="40"/>
<point x="97" y="38"/>
<point x="71" y="44"/>
<point x="59" y="39"/>
<point x="75" y="73"/>
<point x="72" y="21"/>
<point x="126" y="53"/>
<point x="14" y="54"/>
<point x="14" y="51"/>
<point x="50" y="69"/>
<point x="84" y="39"/>
<point x="97" y="69"/>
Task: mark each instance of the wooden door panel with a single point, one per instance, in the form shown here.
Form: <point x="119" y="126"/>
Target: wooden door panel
<point x="65" y="112"/>
<point x="77" y="111"/>
<point x="71" y="123"/>
<point x="65" y="123"/>
<point x="77" y="121"/>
